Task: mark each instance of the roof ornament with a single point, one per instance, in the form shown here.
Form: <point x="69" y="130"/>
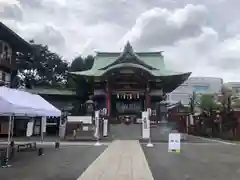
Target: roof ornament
<point x="128" y="51"/>
<point x="128" y="48"/>
<point x="128" y="56"/>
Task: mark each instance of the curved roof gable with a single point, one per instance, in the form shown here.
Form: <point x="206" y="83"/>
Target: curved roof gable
<point x="128" y="56"/>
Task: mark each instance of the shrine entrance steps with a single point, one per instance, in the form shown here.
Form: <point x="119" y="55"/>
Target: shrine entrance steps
<point x="126" y="132"/>
<point x="122" y="131"/>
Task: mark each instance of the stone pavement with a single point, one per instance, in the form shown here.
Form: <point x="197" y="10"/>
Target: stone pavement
<point x="66" y="163"/>
<point x="122" y="160"/>
<point x="196" y="161"/>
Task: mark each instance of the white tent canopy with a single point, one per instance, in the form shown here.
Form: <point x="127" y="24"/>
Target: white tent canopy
<point x="21" y="103"/>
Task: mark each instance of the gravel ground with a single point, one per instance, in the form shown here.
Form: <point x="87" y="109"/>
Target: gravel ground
<point x="66" y="163"/>
<point x="197" y="161"/>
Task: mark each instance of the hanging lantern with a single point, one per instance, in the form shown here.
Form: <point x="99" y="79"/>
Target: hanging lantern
<point x="124" y="96"/>
<point x="138" y="95"/>
<point x="130" y="96"/>
<point x="117" y="96"/>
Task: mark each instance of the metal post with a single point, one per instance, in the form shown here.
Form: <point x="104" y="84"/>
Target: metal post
<point x="5" y="164"/>
<point x="42" y="128"/>
<point x="12" y="127"/>
<point x="12" y="144"/>
<point x="43" y="122"/>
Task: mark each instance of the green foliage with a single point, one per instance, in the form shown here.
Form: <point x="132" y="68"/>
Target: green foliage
<point x="77" y="64"/>
<point x="83" y="85"/>
<point x="48" y="69"/>
<point x="236" y="102"/>
<point x="88" y="62"/>
<point x="207" y="102"/>
<point x="45" y="69"/>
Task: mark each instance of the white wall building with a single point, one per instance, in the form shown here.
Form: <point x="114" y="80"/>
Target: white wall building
<point x="198" y="85"/>
<point x="235" y="86"/>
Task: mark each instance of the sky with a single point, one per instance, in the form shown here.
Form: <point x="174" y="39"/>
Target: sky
<point x="198" y="36"/>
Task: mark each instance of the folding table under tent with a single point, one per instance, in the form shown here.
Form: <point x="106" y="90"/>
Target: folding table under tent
<point x="15" y="102"/>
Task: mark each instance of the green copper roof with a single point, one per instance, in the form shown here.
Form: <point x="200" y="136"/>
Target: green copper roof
<point x="163" y="72"/>
<point x="129" y="56"/>
<point x="151" y="62"/>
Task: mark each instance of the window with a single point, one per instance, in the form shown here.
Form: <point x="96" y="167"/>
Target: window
<point x="6" y="48"/>
<point x="200" y="89"/>
<point x="7" y="77"/>
<point x="5" y="51"/>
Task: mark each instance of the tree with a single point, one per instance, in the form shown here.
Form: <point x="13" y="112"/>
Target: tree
<point x="208" y="103"/>
<point x="77" y="64"/>
<point x="45" y="68"/>
<point x="88" y="62"/>
<point x="83" y="85"/>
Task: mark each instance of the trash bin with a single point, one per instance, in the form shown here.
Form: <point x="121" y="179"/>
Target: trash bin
<point x="57" y="144"/>
<point x="3" y="158"/>
<point x="40" y="152"/>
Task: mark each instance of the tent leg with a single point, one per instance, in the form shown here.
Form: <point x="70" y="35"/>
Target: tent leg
<point x="43" y="124"/>
<point x="6" y="159"/>
<point x="12" y="144"/>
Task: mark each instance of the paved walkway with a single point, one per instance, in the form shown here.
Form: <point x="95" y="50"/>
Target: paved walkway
<point x="123" y="159"/>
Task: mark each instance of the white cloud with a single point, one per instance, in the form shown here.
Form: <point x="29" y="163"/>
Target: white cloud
<point x="193" y="34"/>
<point x="159" y="26"/>
<point x="188" y="41"/>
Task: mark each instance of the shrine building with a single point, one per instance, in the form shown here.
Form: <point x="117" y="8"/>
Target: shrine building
<point x="129" y="82"/>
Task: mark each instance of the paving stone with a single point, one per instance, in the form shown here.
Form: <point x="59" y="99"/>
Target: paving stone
<point x="123" y="159"/>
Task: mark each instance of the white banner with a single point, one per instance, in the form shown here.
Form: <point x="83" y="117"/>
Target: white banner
<point x="174" y="142"/>
<point x="191" y="120"/>
<point x="97" y="114"/>
<point x="145" y="125"/>
<point x="29" y="129"/>
<point x="149" y="112"/>
<point x="44" y="124"/>
<point x="105" y="127"/>
<point x="96" y="134"/>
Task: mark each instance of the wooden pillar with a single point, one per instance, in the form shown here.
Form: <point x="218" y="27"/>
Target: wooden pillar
<point x="108" y="104"/>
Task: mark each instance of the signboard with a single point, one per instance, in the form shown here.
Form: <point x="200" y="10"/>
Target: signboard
<point x="29" y="129"/>
<point x="174" y="142"/>
<point x="145" y="125"/>
<point x="85" y="128"/>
